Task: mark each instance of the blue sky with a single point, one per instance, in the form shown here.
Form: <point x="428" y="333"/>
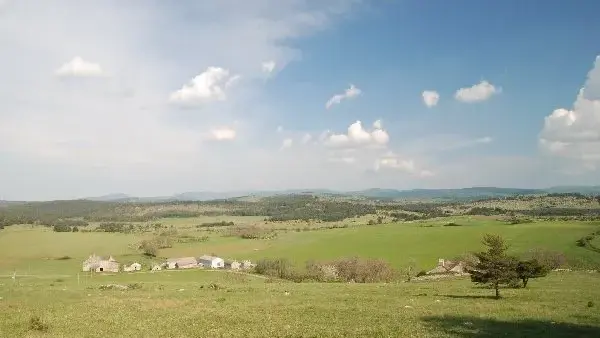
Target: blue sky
<point x="160" y="97"/>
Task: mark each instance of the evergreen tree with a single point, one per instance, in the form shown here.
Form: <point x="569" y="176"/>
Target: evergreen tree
<point x="530" y="269"/>
<point x="494" y="266"/>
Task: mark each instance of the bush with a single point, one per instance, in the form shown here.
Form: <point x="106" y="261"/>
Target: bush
<point x="36" y="324"/>
<point x="252" y="232"/>
<point x="214" y="224"/>
<point x="280" y="268"/>
<point x="149" y="248"/>
<point x="112" y="227"/>
<point x="364" y="270"/>
<point x="61" y="228"/>
<point x="421" y="273"/>
<point x="321" y="272"/>
<point x="550" y="259"/>
<point x="63" y="258"/>
<point x="452" y="224"/>
<point x="590" y="304"/>
<point x="134" y="286"/>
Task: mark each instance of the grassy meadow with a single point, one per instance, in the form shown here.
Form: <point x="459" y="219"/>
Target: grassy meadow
<point x="35" y="250"/>
<point x="223" y="304"/>
<point x="51" y="297"/>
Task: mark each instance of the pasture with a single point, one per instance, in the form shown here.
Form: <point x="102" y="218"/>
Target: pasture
<point x="224" y="304"/>
<point x="49" y="284"/>
<point x="36" y="250"/>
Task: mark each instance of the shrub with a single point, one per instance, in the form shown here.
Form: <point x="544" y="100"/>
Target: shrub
<point x="590" y="304"/>
<point x="214" y="224"/>
<point x="61" y="228"/>
<point x="364" y="270"/>
<point x="321" y="272"/>
<point x="36" y="324"/>
<point x="280" y="268"/>
<point x="252" y="232"/>
<point x="421" y="273"/>
<point x="452" y="224"/>
<point x="550" y="259"/>
<point x="63" y="258"/>
<point x="134" y="286"/>
<point x="112" y="227"/>
<point x="149" y="248"/>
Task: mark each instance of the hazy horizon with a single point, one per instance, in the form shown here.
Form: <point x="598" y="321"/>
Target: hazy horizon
<point x="168" y="97"/>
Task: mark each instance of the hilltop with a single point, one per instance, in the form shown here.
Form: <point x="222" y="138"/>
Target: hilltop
<point x="470" y="193"/>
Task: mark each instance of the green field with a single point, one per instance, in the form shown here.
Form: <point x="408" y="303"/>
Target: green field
<point x="33" y="250"/>
<point x="183" y="303"/>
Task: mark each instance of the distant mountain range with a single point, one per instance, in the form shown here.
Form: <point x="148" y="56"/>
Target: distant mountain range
<point x="446" y="194"/>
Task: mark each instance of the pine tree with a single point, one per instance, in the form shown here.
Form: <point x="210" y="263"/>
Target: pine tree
<point x="530" y="269"/>
<point x="494" y="266"/>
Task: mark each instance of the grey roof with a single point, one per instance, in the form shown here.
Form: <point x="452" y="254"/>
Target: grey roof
<point x="183" y="260"/>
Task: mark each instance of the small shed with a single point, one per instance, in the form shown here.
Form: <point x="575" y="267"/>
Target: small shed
<point x="246" y="264"/>
<point x="212" y="262"/>
<point x="182" y="263"/>
<point x="233" y="265"/>
<point x="133" y="267"/>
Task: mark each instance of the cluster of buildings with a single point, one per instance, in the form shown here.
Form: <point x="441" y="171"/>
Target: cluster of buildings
<point x="100" y="264"/>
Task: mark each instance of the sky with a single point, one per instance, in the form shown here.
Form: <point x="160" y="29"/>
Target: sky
<point x="152" y="98"/>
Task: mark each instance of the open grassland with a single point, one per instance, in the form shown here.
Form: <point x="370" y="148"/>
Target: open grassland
<point x="36" y="249"/>
<point x="220" y="304"/>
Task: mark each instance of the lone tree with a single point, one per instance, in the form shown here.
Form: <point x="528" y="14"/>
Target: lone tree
<point x="494" y="267"/>
<point x="530" y="269"/>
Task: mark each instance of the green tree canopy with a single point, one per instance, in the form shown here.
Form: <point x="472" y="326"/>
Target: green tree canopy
<point x="494" y="266"/>
<point x="530" y="269"/>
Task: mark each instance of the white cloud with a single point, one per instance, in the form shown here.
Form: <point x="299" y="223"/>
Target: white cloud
<point x="476" y="93"/>
<point x="430" y="98"/>
<point x="306" y="138"/>
<point x="205" y="87"/>
<point x="351" y="92"/>
<point x="223" y="134"/>
<point x="268" y="66"/>
<point x="287" y="143"/>
<point x="575" y="133"/>
<point x="78" y="67"/>
<point x="378" y="124"/>
<point x="346" y="160"/>
<point x="357" y="136"/>
<point x="393" y="162"/>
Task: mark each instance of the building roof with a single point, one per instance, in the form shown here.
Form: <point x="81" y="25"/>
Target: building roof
<point x="96" y="259"/>
<point x="445" y="266"/>
<point x="183" y="260"/>
<point x="208" y="258"/>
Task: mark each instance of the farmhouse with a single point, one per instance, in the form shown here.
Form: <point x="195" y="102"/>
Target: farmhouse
<point x="99" y="264"/>
<point x="212" y="262"/>
<point x="233" y="265"/>
<point x="182" y="263"/>
<point x="133" y="267"/>
<point x="446" y="266"/>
